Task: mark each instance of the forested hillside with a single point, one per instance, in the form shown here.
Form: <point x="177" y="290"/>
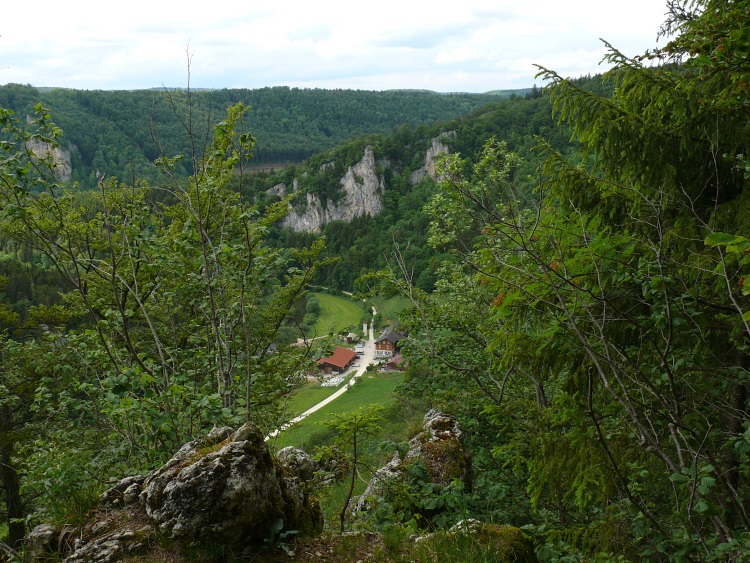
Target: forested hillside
<point x="365" y="243"/>
<point x="121" y="133"/>
<point x="593" y="334"/>
<point x="167" y="312"/>
<point x="576" y="274"/>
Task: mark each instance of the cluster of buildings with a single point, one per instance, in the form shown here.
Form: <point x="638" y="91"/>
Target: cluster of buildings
<point x="386" y="350"/>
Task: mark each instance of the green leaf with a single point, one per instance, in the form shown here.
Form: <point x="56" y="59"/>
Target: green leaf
<point x="723" y="239"/>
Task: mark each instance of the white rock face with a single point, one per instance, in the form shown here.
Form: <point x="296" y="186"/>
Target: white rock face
<point x="362" y="196"/>
<point x="60" y="157"/>
<point x="437" y="149"/>
<point x="277" y="190"/>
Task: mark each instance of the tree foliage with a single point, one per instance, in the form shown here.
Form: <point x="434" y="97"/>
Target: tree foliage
<point x="172" y="311"/>
<point x="601" y="322"/>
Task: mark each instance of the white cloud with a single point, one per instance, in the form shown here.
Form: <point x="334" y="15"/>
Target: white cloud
<point x="477" y="45"/>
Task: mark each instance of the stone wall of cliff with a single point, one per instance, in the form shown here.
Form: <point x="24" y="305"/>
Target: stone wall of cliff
<point x="439" y="147"/>
<point x="60" y="157"/>
<point x="362" y="189"/>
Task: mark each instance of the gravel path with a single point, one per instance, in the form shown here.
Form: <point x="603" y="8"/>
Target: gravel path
<point x="368" y="356"/>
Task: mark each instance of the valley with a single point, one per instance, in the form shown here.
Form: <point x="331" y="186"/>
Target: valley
<point x="302" y="324"/>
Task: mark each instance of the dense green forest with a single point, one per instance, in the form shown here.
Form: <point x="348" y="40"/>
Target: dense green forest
<point x="593" y="333"/>
<point x="576" y="280"/>
<point x="367" y="242"/>
<point x="121" y="133"/>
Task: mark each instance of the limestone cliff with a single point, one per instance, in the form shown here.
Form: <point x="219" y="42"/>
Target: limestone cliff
<point x="362" y="189"/>
<point x="438" y="148"/>
<point x="60" y="157"/>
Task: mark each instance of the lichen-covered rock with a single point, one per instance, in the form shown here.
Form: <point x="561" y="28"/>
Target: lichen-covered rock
<point x="296" y="471"/>
<point x="438" y="446"/>
<point x="301" y="511"/>
<point x="379" y="482"/>
<point x="42" y="543"/>
<point x="297" y="462"/>
<point x="112" y="547"/>
<point x="231" y="492"/>
<point x="224" y="487"/>
<point x="125" y="491"/>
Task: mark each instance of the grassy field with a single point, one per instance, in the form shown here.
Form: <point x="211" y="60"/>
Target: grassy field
<point x="371" y="389"/>
<point x="390" y="308"/>
<point x="308" y="396"/>
<point x="337" y="313"/>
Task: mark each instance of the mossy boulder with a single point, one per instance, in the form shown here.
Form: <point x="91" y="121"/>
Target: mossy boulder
<point x="301" y="510"/>
<point x="230" y="489"/>
<point x="438" y="447"/>
<point x="509" y="541"/>
<point x="231" y="493"/>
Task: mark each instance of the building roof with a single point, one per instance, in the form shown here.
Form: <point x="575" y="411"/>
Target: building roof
<point x="390" y="335"/>
<point x="396" y="360"/>
<point x="340" y="358"/>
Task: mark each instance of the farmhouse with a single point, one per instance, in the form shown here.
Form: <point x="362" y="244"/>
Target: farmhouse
<point x="396" y="363"/>
<point x="387" y="343"/>
<point x="338" y="361"/>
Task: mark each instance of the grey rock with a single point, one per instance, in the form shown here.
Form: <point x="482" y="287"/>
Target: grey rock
<point x="41" y="542"/>
<point x="297" y="462"/>
<point x="230" y="493"/>
<point x="438" y="446"/>
<point x="130" y="486"/>
<point x="438" y="148"/>
<point x="362" y="189"/>
<point x="60" y="157"/>
<point x="222" y="487"/>
<point x="111" y="547"/>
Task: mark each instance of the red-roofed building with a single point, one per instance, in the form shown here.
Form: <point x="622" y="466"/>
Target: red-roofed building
<point x="338" y="361"/>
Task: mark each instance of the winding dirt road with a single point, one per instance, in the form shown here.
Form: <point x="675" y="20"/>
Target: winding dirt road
<point x="368" y="356"/>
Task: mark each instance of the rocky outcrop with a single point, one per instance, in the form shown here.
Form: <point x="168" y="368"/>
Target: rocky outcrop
<point x="111" y="535"/>
<point x="362" y="195"/>
<point x="297" y="463"/>
<point x="279" y="190"/>
<point x="113" y="546"/>
<point x="439" y="447"/>
<point x="41" y="542"/>
<point x="228" y="489"/>
<point x="438" y="148"/>
<point x="225" y="487"/>
<point x="62" y="168"/>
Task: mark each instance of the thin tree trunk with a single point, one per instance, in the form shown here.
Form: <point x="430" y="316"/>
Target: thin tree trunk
<point x="12" y="486"/>
<point x="342" y="516"/>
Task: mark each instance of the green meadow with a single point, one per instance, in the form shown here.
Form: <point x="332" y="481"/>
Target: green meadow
<point x="389" y="308"/>
<point x="371" y="389"/>
<point x="338" y="313"/>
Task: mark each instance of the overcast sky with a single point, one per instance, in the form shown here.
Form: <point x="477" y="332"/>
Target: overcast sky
<point x="447" y="46"/>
